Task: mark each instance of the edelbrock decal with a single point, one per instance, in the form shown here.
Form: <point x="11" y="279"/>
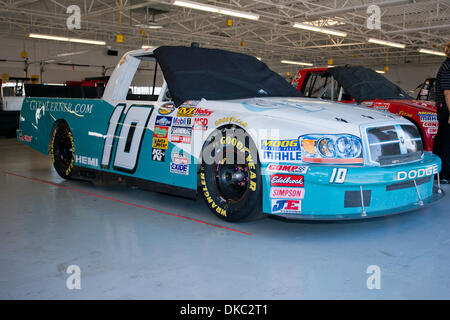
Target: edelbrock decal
<point x="286" y="180"/>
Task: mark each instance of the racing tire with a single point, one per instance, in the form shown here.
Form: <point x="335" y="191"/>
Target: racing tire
<point x="230" y="176"/>
<point x="62" y="150"/>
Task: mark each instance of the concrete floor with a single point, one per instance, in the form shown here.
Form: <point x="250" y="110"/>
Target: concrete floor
<point x="130" y="252"/>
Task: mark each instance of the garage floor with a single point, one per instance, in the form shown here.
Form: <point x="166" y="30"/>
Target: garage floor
<point x="127" y="249"/>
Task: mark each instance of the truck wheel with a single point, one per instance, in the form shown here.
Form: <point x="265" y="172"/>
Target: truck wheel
<point x="230" y="176"/>
<point x="62" y="150"/>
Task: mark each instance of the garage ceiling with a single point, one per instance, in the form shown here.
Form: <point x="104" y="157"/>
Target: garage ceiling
<point x="417" y="24"/>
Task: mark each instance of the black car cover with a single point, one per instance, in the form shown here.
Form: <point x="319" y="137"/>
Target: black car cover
<point x="193" y="73"/>
<point x="365" y="84"/>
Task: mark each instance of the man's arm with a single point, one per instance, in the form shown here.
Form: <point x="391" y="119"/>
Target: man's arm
<point x="447" y="101"/>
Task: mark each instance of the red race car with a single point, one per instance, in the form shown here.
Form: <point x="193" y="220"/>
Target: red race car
<point x="368" y="88"/>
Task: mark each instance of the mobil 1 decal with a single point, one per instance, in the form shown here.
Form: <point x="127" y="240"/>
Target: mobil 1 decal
<point x="126" y="130"/>
<point x="281" y="150"/>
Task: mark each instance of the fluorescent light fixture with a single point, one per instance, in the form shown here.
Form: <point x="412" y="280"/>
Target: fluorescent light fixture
<point x="297" y="63"/>
<point x="319" y="29"/>
<point x="149" y="26"/>
<point x="144" y="46"/>
<point x="214" y="9"/>
<point x="379" y="71"/>
<point x="50" y="37"/>
<point x="259" y="58"/>
<point x="387" y="43"/>
<point x="437" y="53"/>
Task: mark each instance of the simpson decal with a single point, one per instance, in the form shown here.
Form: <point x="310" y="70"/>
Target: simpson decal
<point x="286" y="206"/>
<point x="286" y="180"/>
<point x="163" y="121"/>
<point x="179" y="168"/>
<point x="287" y="193"/>
<point x="275" y="167"/>
<point x="160" y="132"/>
<point x="158" y="155"/>
<point x="160" y="143"/>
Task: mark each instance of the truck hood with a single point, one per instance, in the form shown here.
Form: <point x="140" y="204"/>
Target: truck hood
<point x="318" y="114"/>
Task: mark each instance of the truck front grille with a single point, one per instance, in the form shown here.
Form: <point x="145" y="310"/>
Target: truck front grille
<point x="394" y="144"/>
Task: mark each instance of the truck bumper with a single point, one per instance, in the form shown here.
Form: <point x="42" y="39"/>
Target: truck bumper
<point x="349" y="192"/>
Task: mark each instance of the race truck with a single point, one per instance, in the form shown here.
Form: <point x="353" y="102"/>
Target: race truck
<point x="366" y="87"/>
<point x="225" y="126"/>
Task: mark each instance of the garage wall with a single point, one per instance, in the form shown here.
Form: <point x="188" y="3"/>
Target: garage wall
<point x="407" y="76"/>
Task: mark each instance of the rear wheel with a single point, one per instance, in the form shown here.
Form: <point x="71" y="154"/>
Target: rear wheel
<point x="62" y="150"/>
<point x="230" y="176"/>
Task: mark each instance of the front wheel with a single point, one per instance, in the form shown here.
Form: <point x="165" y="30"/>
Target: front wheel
<point x="62" y="150"/>
<point x="230" y="176"/>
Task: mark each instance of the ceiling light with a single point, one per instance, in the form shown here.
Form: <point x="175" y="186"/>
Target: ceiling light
<point x="214" y="9"/>
<point x="50" y="37"/>
<point x="319" y="29"/>
<point x="259" y="58"/>
<point x="387" y="43"/>
<point x="437" y="53"/>
<point x="379" y="71"/>
<point x="149" y="26"/>
<point x="144" y="46"/>
<point x="297" y="63"/>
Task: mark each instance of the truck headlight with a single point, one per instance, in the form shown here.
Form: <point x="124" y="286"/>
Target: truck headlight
<point x="331" y="148"/>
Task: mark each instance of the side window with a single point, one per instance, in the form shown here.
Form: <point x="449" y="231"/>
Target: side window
<point x="315" y="85"/>
<point x="331" y="90"/>
<point x="147" y="82"/>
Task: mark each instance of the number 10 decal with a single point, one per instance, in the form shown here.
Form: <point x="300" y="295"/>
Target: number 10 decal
<point x="129" y="139"/>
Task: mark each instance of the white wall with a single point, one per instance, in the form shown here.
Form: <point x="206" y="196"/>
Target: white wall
<point x="409" y="76"/>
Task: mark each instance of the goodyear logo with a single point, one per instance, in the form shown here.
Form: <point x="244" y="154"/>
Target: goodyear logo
<point x="160" y="143"/>
<point x="279" y="145"/>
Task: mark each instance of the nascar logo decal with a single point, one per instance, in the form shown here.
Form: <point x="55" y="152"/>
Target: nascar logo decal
<point x="286" y="206"/>
<point x="289" y="193"/>
<point x="166" y="109"/>
<point x="286" y="180"/>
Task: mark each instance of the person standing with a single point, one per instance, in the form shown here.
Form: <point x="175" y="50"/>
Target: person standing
<point x="442" y="140"/>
